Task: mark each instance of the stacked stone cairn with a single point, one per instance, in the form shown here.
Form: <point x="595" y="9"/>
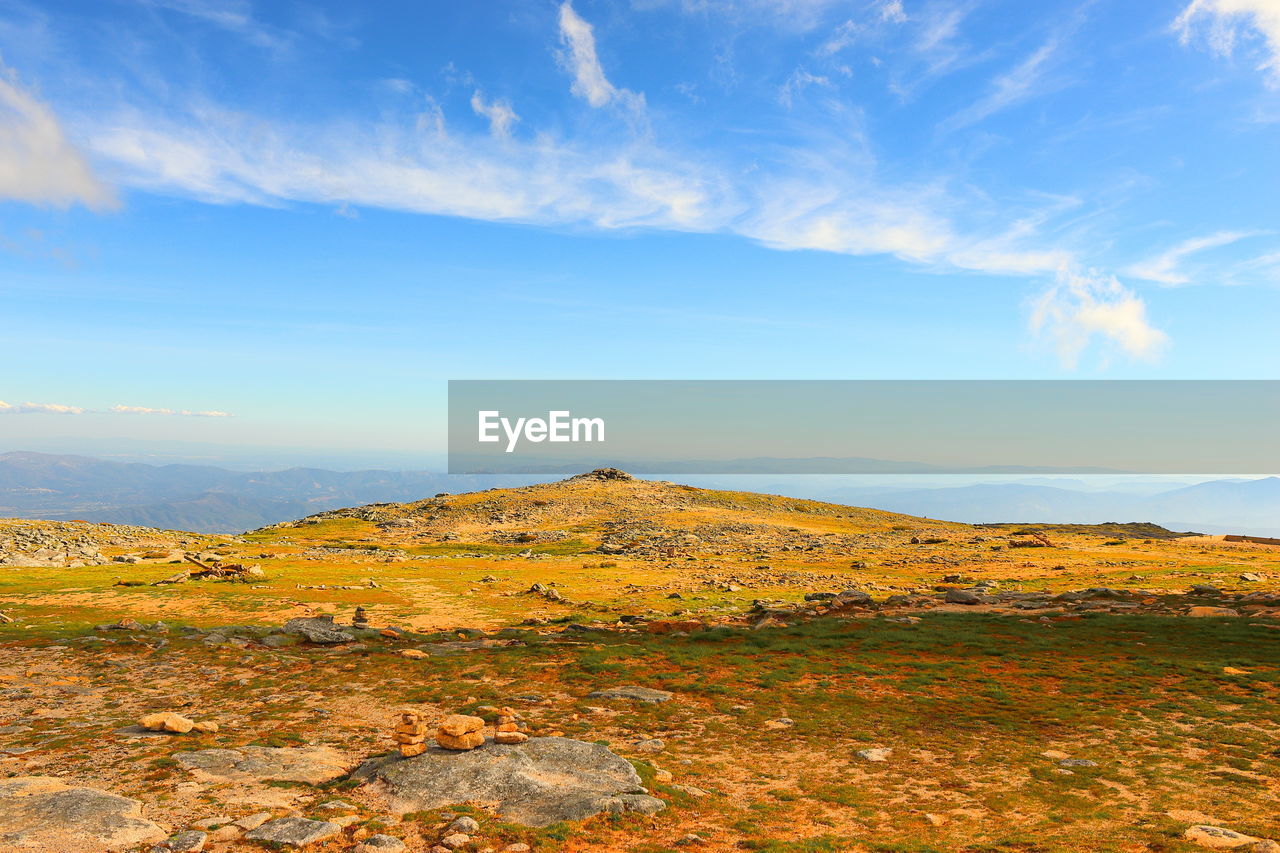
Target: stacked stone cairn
<point x="508" y="728"/>
<point x="460" y="732"/>
<point x="410" y="733"/>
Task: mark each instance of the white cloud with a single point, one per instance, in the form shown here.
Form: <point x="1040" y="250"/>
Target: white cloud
<point x="499" y="113"/>
<point x="1166" y="267"/>
<point x="37" y="163"/>
<point x="799" y="80"/>
<point x="144" y="410"/>
<point x="1019" y="84"/>
<point x="1228" y="19"/>
<point x="589" y="82"/>
<point x="1083" y="305"/>
<point x="46" y="408"/>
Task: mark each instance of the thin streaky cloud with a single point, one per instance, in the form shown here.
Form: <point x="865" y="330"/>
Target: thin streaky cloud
<point x="580" y="58"/>
<point x="1166" y="267"/>
<point x="1018" y="85"/>
<point x="38" y="408"/>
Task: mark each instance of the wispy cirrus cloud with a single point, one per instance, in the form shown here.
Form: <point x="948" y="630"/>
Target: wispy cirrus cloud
<point x="1021" y="83"/>
<point x="1225" y="24"/>
<point x="1167" y="267"/>
<point x="499" y="112"/>
<point x="580" y="58"/>
<point x="38" y="164"/>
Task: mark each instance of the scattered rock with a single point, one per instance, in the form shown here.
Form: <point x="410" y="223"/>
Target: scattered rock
<point x="1217" y="838"/>
<point x="649" y="745"/>
<point x="962" y="596"/>
<point x="311" y="765"/>
<point x="167" y="722"/>
<point x="1205" y="611"/>
<point x="454" y="840"/>
<point x="46" y="813"/>
<point x="191" y="841"/>
<point x="635" y="694"/>
<point x="544" y="781"/>
<point x="294" y="831"/>
<point x="874" y="754"/>
<point x="318" y="629"/>
<point x="465" y="824"/>
<point x="1077" y="762"/>
<point x="380" y="844"/>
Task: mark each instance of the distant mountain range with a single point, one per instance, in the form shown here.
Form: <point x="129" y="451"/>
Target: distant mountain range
<point x="216" y="500"/>
<point x="1218" y="506"/>
<point x="203" y="498"/>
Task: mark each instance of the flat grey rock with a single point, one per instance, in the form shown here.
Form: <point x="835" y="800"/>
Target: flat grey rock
<point x="635" y="694"/>
<point x="380" y="844"/>
<point x="45" y="813"/>
<point x="294" y="831"/>
<point x="543" y="781"/>
<point x="311" y="765"/>
<point x="190" y="841"/>
<point x="318" y="629"/>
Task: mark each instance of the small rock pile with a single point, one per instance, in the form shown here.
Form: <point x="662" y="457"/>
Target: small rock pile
<point x="410" y="733"/>
<point x="460" y="732"/>
<point x="508" y="729"/>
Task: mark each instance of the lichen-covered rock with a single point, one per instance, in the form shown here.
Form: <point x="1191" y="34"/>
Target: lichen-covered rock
<point x="318" y="629"/>
<point x="538" y="783"/>
<point x="44" y="813"/>
<point x="635" y="694"/>
<point x="294" y="831"/>
<point x="311" y="765"/>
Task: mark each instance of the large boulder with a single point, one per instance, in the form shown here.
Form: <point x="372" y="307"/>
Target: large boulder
<point x="311" y="765"/>
<point x="543" y="781"/>
<point x="44" y="813"/>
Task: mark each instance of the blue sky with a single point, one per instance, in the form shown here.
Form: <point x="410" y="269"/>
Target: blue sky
<point x="288" y="223"/>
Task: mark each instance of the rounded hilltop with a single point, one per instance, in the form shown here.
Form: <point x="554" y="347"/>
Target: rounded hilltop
<point x="609" y="511"/>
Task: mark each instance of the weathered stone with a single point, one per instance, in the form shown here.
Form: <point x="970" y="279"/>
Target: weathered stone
<point x="167" y="722"/>
<point x="454" y="840"/>
<point x="294" y="831"/>
<point x="460" y="724"/>
<point x="635" y="694"/>
<point x="1217" y="838"/>
<point x="463" y="742"/>
<point x="191" y="841"/>
<point x="380" y="844"/>
<point x="311" y="765"/>
<point x="42" y="812"/>
<point x="1204" y="611"/>
<point x="874" y="754"/>
<point x="962" y="596"/>
<point x="465" y="824"/>
<point x="318" y="629"/>
<point x="536" y="784"/>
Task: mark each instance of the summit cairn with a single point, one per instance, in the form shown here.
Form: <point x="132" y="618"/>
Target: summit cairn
<point x="508" y="729"/>
<point x="460" y="732"/>
<point x="603" y="474"/>
<point x="410" y="733"/>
